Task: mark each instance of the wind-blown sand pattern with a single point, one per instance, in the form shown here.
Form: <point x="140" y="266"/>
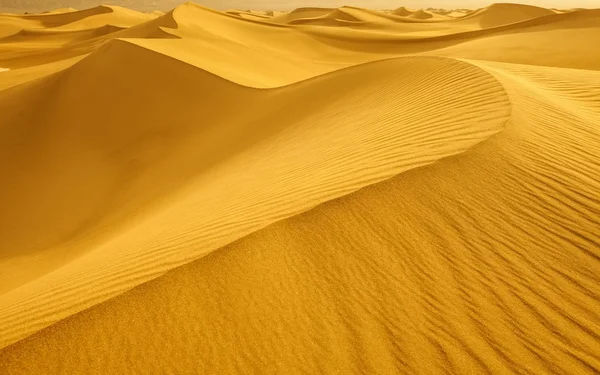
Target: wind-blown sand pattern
<point x="321" y="191"/>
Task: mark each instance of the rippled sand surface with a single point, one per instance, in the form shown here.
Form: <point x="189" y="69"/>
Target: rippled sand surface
<point x="336" y="191"/>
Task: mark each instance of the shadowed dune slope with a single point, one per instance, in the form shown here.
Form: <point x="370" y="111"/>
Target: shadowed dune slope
<point x="33" y="52"/>
<point x="456" y="14"/>
<point x="89" y="87"/>
<point x="184" y="142"/>
<point x="421" y="15"/>
<point x="561" y="40"/>
<point x="159" y="27"/>
<point x="300" y="13"/>
<point x="575" y="31"/>
<point x="322" y="191"/>
<point x="485" y="262"/>
<point x="64" y="18"/>
<point x="402" y="11"/>
<point x="53" y="38"/>
<point x="11" y="24"/>
<point x="117" y="16"/>
<point x="89" y="18"/>
<point x="249" y="15"/>
<point x="276" y="55"/>
<point x="63" y="10"/>
<point x="374" y="18"/>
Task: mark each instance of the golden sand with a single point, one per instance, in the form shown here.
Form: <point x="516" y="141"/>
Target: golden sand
<point x="343" y="190"/>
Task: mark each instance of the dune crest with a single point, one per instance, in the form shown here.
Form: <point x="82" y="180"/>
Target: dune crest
<point x="421" y="14"/>
<point x="506" y="13"/>
<point x="399" y="154"/>
<point x="406" y="191"/>
<point x="402" y="11"/>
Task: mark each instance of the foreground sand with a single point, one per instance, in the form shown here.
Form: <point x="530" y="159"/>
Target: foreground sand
<point x="321" y="191"/>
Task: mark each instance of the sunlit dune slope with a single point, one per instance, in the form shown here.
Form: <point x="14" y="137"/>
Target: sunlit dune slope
<point x="480" y="263"/>
<point x="45" y="38"/>
<point x="248" y="15"/>
<point x="574" y="31"/>
<point x="279" y="54"/>
<point x="10" y="24"/>
<point x="84" y="19"/>
<point x="456" y="14"/>
<point x="561" y="40"/>
<point x="274" y="55"/>
<point x="425" y="15"/>
<point x="119" y="178"/>
<point x="30" y="42"/>
<point x="300" y="13"/>
<point x="421" y="14"/>
<point x="402" y="11"/>
<point x="63" y="10"/>
<point x="504" y="14"/>
<point x="329" y="190"/>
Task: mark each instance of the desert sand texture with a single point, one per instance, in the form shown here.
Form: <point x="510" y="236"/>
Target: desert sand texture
<point x="321" y="191"/>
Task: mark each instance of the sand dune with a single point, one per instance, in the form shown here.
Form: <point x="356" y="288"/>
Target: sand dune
<point x="456" y="14"/>
<point x="320" y="191"/>
<point x="301" y="13"/>
<point x="504" y="14"/>
<point x="88" y="18"/>
<point x="402" y="11"/>
<point x="421" y="14"/>
<point x="248" y="15"/>
<point x="425" y="15"/>
<point x="52" y="38"/>
<point x="490" y="116"/>
<point x="63" y="10"/>
<point x="573" y="30"/>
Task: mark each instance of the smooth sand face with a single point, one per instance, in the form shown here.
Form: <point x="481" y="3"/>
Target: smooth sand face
<point x="317" y="191"/>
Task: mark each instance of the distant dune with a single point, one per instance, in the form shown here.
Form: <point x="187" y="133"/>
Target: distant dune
<point x="504" y="14"/>
<point x="402" y="11"/>
<point x="421" y="15"/>
<point x="326" y="190"/>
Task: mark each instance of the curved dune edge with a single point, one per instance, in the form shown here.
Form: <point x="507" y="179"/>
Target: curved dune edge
<point x="318" y="50"/>
<point x="59" y="37"/>
<point x="518" y="249"/>
<point x="484" y="261"/>
<point x="504" y="14"/>
<point x="396" y="136"/>
<point x="82" y="19"/>
<point x="451" y="34"/>
<point x="402" y="11"/>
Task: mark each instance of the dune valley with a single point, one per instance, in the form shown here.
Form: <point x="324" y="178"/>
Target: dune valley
<point x="315" y="191"/>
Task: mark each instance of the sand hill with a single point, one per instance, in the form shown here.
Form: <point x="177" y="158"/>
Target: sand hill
<point x="402" y="11"/>
<point x="320" y="191"/>
<point x="504" y="14"/>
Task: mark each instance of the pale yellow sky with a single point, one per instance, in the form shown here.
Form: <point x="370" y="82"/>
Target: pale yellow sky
<point x="147" y="5"/>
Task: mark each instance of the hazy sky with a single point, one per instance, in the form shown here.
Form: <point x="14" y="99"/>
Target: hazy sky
<point x="34" y="5"/>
